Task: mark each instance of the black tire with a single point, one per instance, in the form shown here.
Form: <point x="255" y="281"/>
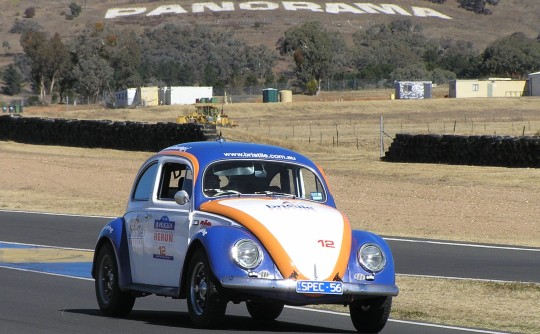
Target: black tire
<point x="264" y="311"/>
<point x="370" y="315"/>
<point x="111" y="300"/>
<point x="206" y="304"/>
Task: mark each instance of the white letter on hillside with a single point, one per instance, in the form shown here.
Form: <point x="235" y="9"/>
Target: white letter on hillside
<point x="199" y="7"/>
<point x="258" y="5"/>
<point x="338" y="7"/>
<point x="425" y="12"/>
<point x="169" y="9"/>
<point x="290" y="5"/>
<point x="383" y="8"/>
<point x="113" y="13"/>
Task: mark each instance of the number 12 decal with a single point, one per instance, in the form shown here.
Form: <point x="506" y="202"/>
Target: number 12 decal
<point x="326" y="243"/>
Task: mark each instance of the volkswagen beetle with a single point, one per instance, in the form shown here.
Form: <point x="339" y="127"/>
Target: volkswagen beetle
<point x="219" y="222"/>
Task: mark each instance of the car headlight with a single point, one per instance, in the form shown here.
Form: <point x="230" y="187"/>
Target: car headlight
<point x="247" y="254"/>
<point x="371" y="257"/>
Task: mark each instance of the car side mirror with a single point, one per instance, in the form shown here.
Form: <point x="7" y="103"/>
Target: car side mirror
<point x="181" y="197"/>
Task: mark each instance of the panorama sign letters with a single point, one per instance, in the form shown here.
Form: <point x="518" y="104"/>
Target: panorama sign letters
<point x="229" y="6"/>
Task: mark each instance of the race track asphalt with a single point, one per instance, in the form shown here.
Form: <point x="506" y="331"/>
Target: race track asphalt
<point x="36" y="303"/>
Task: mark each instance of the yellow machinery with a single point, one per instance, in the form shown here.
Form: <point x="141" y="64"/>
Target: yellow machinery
<point x="207" y="115"/>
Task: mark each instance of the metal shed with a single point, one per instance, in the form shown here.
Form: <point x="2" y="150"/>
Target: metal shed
<point x="413" y="89"/>
<point x="534" y="84"/>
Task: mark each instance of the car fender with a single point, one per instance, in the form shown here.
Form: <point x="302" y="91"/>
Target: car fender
<point x="218" y="241"/>
<point x="114" y="233"/>
<point x="387" y="275"/>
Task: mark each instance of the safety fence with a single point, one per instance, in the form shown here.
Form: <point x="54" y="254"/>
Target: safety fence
<point x="120" y="135"/>
<point x="502" y="151"/>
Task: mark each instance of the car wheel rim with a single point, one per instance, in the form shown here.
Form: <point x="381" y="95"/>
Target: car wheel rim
<point x="107" y="279"/>
<point x="199" y="288"/>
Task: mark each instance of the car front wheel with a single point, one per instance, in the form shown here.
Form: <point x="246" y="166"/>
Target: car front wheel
<point x="370" y="315"/>
<point x="111" y="300"/>
<point x="206" y="305"/>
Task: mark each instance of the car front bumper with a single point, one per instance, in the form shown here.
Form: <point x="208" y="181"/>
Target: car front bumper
<point x="289" y="286"/>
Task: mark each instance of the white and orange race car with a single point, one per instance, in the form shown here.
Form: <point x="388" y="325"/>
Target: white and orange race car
<point x="218" y="222"/>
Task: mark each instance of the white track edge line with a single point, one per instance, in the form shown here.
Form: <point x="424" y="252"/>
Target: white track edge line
<point x="400" y="321"/>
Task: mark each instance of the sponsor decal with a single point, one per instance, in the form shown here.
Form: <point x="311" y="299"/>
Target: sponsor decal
<point x="258" y="155"/>
<point x="356" y="8"/>
<point x="162" y="254"/>
<point x="290" y="206"/>
<point x="163" y="238"/>
<point x="205" y="223"/>
<point x="135" y="232"/>
<point x="202" y="231"/>
<point x="316" y="196"/>
<point x="179" y="148"/>
<point x="109" y="229"/>
<point x="164" y="224"/>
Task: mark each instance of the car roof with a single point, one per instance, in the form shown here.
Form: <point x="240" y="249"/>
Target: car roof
<point x="206" y="152"/>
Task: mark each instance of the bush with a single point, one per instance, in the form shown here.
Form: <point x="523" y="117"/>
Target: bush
<point x="30" y="12"/>
<point x="22" y="26"/>
<point x="312" y="87"/>
<point x="75" y="9"/>
<point x="33" y="101"/>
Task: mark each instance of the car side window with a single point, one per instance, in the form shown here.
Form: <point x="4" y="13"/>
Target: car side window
<point x="145" y="183"/>
<point x="173" y="176"/>
<point x="311" y="187"/>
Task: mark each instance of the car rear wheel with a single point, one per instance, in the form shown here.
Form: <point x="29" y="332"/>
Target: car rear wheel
<point x="370" y="315"/>
<point x="264" y="310"/>
<point x="206" y="305"/>
<point x="111" y="300"/>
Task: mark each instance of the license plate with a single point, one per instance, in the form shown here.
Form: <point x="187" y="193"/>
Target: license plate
<point x="327" y="288"/>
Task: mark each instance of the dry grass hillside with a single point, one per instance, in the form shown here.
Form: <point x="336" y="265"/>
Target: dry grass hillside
<point x="266" y="26"/>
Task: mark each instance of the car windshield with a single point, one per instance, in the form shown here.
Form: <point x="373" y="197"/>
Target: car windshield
<point x="273" y="178"/>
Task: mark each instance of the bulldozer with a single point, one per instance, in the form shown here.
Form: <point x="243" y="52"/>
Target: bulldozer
<point x="207" y="115"/>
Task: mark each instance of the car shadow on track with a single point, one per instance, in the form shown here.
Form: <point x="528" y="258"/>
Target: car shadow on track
<point x="230" y="323"/>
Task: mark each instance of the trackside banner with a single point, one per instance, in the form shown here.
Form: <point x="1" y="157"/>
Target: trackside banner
<point x="360" y="8"/>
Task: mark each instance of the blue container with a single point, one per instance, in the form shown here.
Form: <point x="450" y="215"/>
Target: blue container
<point x="270" y="95"/>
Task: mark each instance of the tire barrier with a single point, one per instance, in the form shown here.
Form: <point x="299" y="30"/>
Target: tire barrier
<point x="131" y="136"/>
<point x="502" y="151"/>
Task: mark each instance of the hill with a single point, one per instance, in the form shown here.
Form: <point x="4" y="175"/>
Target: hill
<point x="263" y="22"/>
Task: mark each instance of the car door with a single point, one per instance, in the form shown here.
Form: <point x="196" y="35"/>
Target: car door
<point x="157" y="257"/>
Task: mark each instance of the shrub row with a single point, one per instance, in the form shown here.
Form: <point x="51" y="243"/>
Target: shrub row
<point x="466" y="150"/>
<point x="132" y="136"/>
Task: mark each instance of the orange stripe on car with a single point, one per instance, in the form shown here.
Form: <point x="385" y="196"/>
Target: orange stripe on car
<point x="188" y="156"/>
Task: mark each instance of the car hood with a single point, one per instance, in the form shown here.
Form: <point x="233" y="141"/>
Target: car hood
<point x="306" y="240"/>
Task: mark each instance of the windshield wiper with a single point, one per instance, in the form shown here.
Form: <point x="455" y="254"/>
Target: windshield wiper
<point x="276" y="193"/>
<point x="223" y="192"/>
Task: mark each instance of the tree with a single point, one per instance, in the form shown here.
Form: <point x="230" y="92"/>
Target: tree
<point x="478" y="6"/>
<point x="459" y="57"/>
<point x="13" y="80"/>
<point x="199" y="55"/>
<point x="49" y="60"/>
<point x="382" y="49"/>
<point x="512" y="56"/>
<point x="92" y="73"/>
<point x="315" y="52"/>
